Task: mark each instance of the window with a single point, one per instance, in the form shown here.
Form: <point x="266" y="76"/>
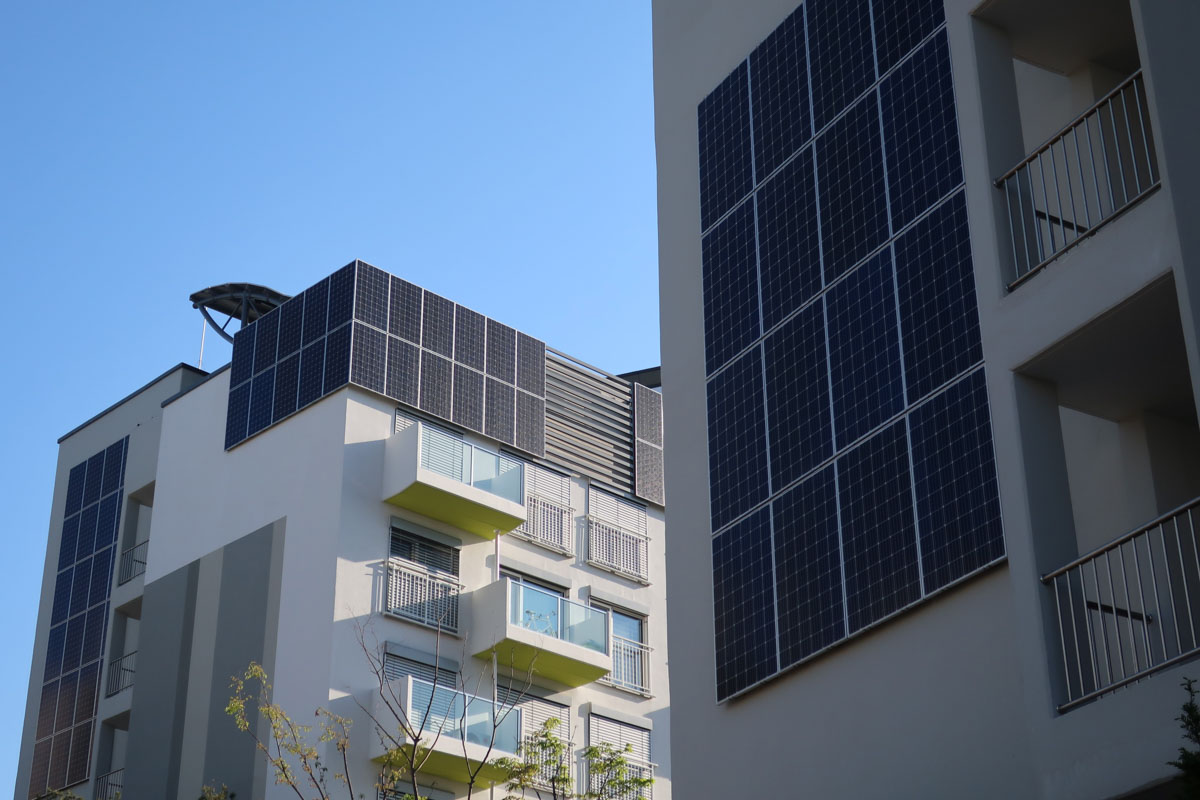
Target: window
<point x="539" y="603"/>
<point x="423" y="581"/>
<point x="602" y="730"/>
<point x="630" y="655"/>
<point x="433" y="556"/>
<point x="617" y="538"/>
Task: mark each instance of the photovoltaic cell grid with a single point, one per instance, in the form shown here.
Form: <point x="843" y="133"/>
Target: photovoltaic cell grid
<point x="78" y="621"/>
<point x="850" y="454"/>
<point x="366" y="327"/>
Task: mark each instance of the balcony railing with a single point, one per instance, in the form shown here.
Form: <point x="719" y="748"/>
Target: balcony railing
<point x="1130" y="608"/>
<point x="110" y="785"/>
<point x="448" y="455"/>
<point x="133" y="562"/>
<point x="547" y="524"/>
<point x="545" y="612"/>
<point x="1085" y="175"/>
<point x="631" y="666"/>
<point x="120" y="674"/>
<point x="618" y="550"/>
<point x="421" y="596"/>
<point x="636" y="769"/>
<point x="459" y="715"/>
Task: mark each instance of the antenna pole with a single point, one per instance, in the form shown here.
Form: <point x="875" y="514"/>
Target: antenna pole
<point x="203" y="330"/>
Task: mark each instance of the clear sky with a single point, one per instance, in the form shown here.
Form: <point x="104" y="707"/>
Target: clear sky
<point x="498" y="153"/>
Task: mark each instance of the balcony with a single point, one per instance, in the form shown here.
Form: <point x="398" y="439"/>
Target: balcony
<point x="636" y="769"/>
<point x="460" y="730"/>
<point x="1130" y="608"/>
<point x="437" y="474"/>
<point x="630" y="666"/>
<point x="547" y="524"/>
<point x="110" y="785"/>
<point x="1083" y="177"/>
<point x="422" y="596"/>
<point x="532" y="629"/>
<point x="120" y="674"/>
<point x="615" y="549"/>
<point x="133" y="563"/>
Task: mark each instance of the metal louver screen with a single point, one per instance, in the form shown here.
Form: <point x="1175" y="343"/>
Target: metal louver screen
<point x="396" y="667"/>
<point x="589" y="421"/>
<point x="618" y="734"/>
<point x="616" y="511"/>
<point x="547" y="484"/>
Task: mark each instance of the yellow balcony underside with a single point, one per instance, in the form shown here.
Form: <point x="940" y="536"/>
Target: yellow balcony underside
<point x="454" y="509"/>
<point x="446" y="760"/>
<point x="547" y="663"/>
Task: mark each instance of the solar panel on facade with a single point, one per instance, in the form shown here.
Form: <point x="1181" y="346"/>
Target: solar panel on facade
<point x="731" y="318"/>
<point x="726" y="170"/>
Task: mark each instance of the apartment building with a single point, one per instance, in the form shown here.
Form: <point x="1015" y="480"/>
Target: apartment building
<point x="930" y="294"/>
<point x="379" y="473"/>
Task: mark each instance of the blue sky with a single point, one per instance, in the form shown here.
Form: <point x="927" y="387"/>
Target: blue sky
<point x="498" y="153"/>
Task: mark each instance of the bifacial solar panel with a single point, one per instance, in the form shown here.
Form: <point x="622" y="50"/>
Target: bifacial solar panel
<point x="744" y="607"/>
<point x="879" y="537"/>
<point x="864" y="350"/>
<point x="958" y="501"/>
<point x="779" y="84"/>
<point x="405" y="318"/>
<point x="808" y="567"/>
<point x="648" y="475"/>
<point x="287" y="381"/>
<point x="938" y="311"/>
<point x="337" y="359"/>
<point x="368" y="358"/>
<point x="789" y="247"/>
<point x="437" y="325"/>
<point x="468" y="398"/>
<point x="531" y="423"/>
<point x="341" y="297"/>
<point x="800" y="423"/>
<point x="291" y="326"/>
<point x="731" y="318"/>
<point x="726" y="169"/>
<point x="241" y="366"/>
<point x="237" y="414"/>
<point x="262" y="401"/>
<point x="841" y="53"/>
<point x="312" y="374"/>
<point x="75" y="488"/>
<point x="500" y="411"/>
<point x="737" y="461"/>
<point x="316" y="311"/>
<point x="437" y="376"/>
<point x="920" y="129"/>
<point x="266" y="340"/>
<point x="372" y="296"/>
<point x="647" y="414"/>
<point x="854" y="213"/>
<point x="501" y="352"/>
<point x="531" y="364"/>
<point x="468" y="337"/>
<point x="901" y="24"/>
<point x="403" y="371"/>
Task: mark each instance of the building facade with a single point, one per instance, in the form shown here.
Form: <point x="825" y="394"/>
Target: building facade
<point x="381" y="480"/>
<point x="929" y="324"/>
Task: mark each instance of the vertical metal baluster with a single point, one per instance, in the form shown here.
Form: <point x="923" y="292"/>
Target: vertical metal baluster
<point x="1137" y="96"/>
<point x="1087" y="128"/>
<point x="1075" y="632"/>
<point x="1129" y="131"/>
<point x="1024" y="235"/>
<point x="1037" y="228"/>
<point x="1137" y="662"/>
<point x="1012" y="231"/>
<point x="1112" y="198"/>
<point x="1062" y="221"/>
<point x="1137" y="567"/>
<point x="1162" y="632"/>
<point x="1162" y="539"/>
<point x="1062" y="638"/>
<point x="1183" y="579"/>
<point x="1087" y="626"/>
<point x="1100" y="619"/>
<point x="1112" y="593"/>
<point x="1070" y="188"/>
<point x="1112" y="117"/>
<point x="1046" y="202"/>
<point x="1087" y="211"/>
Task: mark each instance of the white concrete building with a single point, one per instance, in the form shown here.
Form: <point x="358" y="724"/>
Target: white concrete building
<point x="930" y="294"/>
<point x="375" y="457"/>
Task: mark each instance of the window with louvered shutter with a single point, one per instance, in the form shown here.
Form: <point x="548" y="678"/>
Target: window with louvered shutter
<point x="433" y="556"/>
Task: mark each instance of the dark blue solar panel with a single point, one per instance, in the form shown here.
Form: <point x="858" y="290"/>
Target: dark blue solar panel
<point x="501" y="352"/>
<point x="405" y="317"/>
<point x="403" y="371"/>
<point x="854" y="215"/>
<point x="89" y="685"/>
<point x="341" y="297"/>
<point x="101" y="577"/>
<point x="723" y="121"/>
<point x="236" y="415"/>
<point x="743" y="604"/>
<point x="66" y="548"/>
<point x="106" y="521"/>
<point x="316" y="311"/>
<point x="779" y="86"/>
<point x="436" y="380"/>
<point x="737" y="462"/>
<point x="79" y="586"/>
<point x="468" y="337"/>
<point x="337" y="359"/>
<point x="262" y="402"/>
<point x="864" y="350"/>
<point x="958" y="500"/>
<point x="437" y="325"/>
<point x="93" y="632"/>
<point x="808" y="568"/>
<point x="54" y="651"/>
<point x="789" y="246"/>
<point x="291" y="326"/>
<point x="730" y="288"/>
<point x="468" y="398"/>
<point x="312" y="372"/>
<point x="94" y="480"/>
<point x="67" y="687"/>
<point x="85" y="540"/>
<point x="73" y="644"/>
<point x="531" y="364"/>
<point x="901" y="24"/>
<point x="531" y="424"/>
<point x="241" y="367"/>
<point x="75" y="488"/>
<point x="499" y="419"/>
<point x="368" y="358"/>
<point x="62" y="596"/>
<point x="114" y="467"/>
<point x="800" y="424"/>
<point x="920" y="130"/>
<point x="938" y="312"/>
<point x="879" y="539"/>
<point x="841" y="53"/>
<point x="266" y="341"/>
<point x="287" y="382"/>
<point x="371" y="296"/>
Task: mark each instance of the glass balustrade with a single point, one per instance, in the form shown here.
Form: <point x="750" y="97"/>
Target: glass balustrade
<point x="446" y="714"/>
<point x="446" y="454"/>
<point x="544" y="612"/>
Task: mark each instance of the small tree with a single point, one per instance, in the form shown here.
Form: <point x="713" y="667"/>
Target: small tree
<point x="1188" y="762"/>
<point x="544" y="768"/>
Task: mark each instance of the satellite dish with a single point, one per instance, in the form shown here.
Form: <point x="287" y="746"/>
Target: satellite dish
<point x="241" y="301"/>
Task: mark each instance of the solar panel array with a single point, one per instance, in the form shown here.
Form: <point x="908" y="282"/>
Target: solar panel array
<point x="850" y="453"/>
<point x="365" y="327"/>
<point x="66" y="719"/>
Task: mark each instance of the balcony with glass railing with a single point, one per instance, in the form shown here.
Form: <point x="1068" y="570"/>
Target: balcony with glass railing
<point x="460" y="730"/>
<point x="531" y="629"/>
<point x="438" y="474"/>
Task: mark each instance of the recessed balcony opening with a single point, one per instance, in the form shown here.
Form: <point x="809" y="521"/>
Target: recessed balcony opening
<point x="1122" y="570"/>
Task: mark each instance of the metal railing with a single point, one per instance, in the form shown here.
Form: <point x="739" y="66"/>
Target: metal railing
<point x="631" y="666"/>
<point x="446" y="454"/>
<point x="110" y="785"/>
<point x="1086" y="174"/>
<point x="618" y="550"/>
<point x="548" y="524"/>
<point x="422" y="596"/>
<point x="637" y="769"/>
<point x="133" y="562"/>
<point x="545" y="612"/>
<point x="120" y="673"/>
<point x="1130" y="608"/>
